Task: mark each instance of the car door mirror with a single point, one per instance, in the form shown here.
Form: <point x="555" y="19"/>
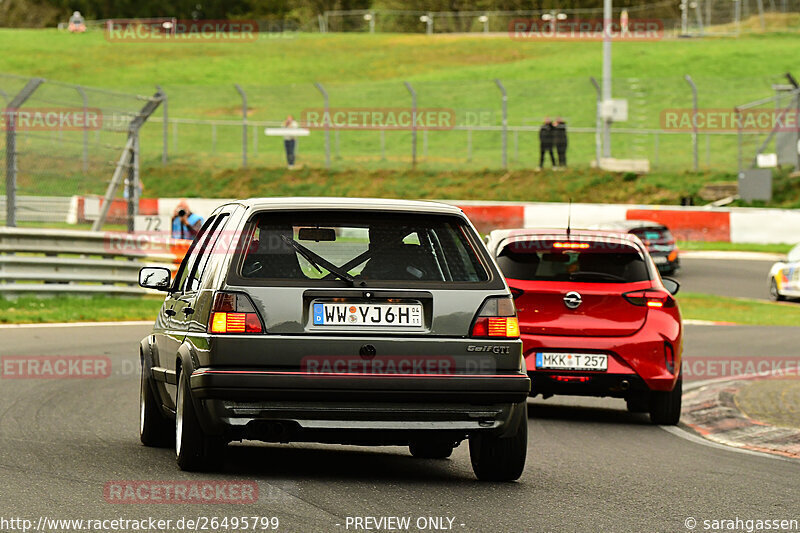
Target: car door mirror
<point x="671" y="285"/>
<point x="158" y="278"/>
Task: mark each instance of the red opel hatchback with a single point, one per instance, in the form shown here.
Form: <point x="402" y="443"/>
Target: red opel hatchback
<point x="595" y="316"/>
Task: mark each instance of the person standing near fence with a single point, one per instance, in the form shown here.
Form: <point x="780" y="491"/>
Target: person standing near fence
<point x="289" y="141"/>
<point x="560" y="141"/>
<point x="76" y="23"/>
<point x="546" y="142"/>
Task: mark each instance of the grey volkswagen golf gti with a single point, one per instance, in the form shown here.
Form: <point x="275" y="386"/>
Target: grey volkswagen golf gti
<point x="336" y="320"/>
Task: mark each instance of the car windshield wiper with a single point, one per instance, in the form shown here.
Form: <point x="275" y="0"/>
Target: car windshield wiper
<point x="318" y="261"/>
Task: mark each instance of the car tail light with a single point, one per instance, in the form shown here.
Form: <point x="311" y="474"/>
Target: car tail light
<point x="234" y="313"/>
<point x="655" y="299"/>
<point x="571" y="379"/>
<point x="571" y="245"/>
<point x="497" y="318"/>
<point x="672" y="255"/>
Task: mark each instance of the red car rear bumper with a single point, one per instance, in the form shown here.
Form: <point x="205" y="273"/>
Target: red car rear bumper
<point x="641" y="360"/>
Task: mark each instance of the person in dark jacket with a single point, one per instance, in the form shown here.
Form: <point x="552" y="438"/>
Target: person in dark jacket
<point x="546" y="142"/>
<point x="560" y="140"/>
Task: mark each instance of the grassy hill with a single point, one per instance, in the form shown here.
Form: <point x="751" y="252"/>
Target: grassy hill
<point x="361" y="70"/>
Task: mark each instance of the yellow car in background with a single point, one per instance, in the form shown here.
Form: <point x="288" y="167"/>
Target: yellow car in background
<point x="784" y="277"/>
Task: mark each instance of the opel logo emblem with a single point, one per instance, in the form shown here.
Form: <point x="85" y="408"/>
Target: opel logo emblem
<point x="573" y="299"/>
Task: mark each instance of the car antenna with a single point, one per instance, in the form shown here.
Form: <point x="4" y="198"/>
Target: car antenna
<point x="569" y="216"/>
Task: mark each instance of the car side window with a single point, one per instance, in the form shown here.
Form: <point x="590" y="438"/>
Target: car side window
<point x="209" y="248"/>
<point x="191" y="255"/>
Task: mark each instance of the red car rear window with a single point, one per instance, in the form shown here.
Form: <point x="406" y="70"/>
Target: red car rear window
<point x="573" y="260"/>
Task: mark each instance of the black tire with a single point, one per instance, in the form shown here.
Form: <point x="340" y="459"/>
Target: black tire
<point x="774" y="295"/>
<point x="155" y="429"/>
<point x="499" y="459"/>
<point x="194" y="450"/>
<point x="665" y="407"/>
<point x="432" y="449"/>
<point x="638" y="403"/>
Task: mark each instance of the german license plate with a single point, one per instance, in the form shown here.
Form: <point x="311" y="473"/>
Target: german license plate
<point x="571" y="361"/>
<point x="373" y="314"/>
<point x="660" y="259"/>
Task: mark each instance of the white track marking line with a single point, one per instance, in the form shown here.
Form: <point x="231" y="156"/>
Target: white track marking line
<point x="692" y="437"/>
<point x="79" y="324"/>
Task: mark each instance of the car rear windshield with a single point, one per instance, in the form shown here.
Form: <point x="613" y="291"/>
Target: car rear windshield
<point x="653" y="235"/>
<point x="609" y="261"/>
<point x="361" y="247"/>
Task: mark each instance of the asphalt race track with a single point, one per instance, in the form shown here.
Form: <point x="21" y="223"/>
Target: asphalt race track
<point x="591" y="466"/>
<point x="725" y="277"/>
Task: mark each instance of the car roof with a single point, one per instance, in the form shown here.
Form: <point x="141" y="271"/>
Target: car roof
<point x="343" y="203"/>
<point x="500" y="235"/>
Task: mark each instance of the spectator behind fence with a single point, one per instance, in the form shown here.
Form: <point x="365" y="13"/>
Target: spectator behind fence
<point x="546" y="142"/>
<point x="185" y="224"/>
<point x="76" y="23"/>
<point x="560" y="140"/>
<point x="290" y="142"/>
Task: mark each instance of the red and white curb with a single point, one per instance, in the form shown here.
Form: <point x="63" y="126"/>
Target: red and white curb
<point x="709" y="409"/>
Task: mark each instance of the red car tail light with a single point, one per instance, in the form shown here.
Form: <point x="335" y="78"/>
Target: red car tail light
<point x="650" y="298"/>
<point x="497" y="318"/>
<point x="571" y="245"/>
<point x="234" y="313"/>
<point x="571" y="379"/>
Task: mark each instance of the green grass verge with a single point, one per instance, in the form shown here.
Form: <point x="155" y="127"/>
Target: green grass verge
<point x="739" y="310"/>
<point x="32" y="310"/>
<point x="27" y="309"/>
<point x="734" y="247"/>
<point x="362" y="70"/>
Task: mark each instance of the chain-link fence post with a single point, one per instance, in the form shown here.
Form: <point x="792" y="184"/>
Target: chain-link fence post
<point x="326" y="101"/>
<point x="11" y="148"/>
<point x="505" y="121"/>
<point x="413" y="123"/>
<point x="244" y="123"/>
<point x="128" y="160"/>
<point x="165" y="126"/>
<point x="694" y="120"/>
<point x="85" y="129"/>
<point x="739" y="138"/>
<point x="598" y="140"/>
<point x="132" y="181"/>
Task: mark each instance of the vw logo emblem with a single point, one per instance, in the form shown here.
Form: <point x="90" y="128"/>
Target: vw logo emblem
<point x="573" y="299"/>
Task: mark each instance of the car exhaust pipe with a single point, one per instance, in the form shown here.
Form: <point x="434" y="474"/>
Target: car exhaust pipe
<point x="624" y="384"/>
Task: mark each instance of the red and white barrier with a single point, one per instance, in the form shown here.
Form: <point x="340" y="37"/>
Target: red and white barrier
<point x="736" y="224"/>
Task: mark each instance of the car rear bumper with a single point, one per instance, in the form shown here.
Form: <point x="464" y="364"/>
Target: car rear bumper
<point x="637" y="362"/>
<point x="296" y="406"/>
<point x="548" y="383"/>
